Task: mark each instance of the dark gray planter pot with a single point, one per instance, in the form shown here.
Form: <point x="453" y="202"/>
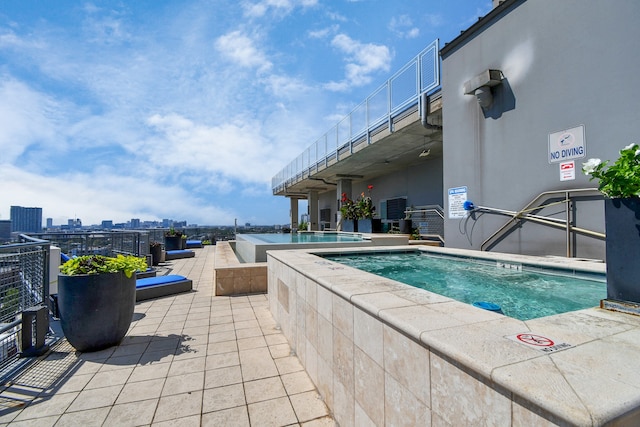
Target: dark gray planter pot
<point x="622" y="219"/>
<point x="172" y="243"/>
<point x="406" y="226"/>
<point x="349" y="225"/>
<point x="96" y="309"/>
<point x="370" y="225"/>
<point x="156" y="254"/>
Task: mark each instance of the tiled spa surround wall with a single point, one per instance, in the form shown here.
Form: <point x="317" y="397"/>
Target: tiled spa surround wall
<point x="383" y="353"/>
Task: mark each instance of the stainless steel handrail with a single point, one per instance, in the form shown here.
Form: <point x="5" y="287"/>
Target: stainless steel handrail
<point x="538" y="203"/>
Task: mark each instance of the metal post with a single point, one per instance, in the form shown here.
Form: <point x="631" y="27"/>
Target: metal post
<point x="568" y="223"/>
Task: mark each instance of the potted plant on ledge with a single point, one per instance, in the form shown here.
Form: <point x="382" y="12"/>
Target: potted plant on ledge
<point x="172" y="240"/>
<point x="155" y="248"/>
<point x="366" y="211"/>
<point x="620" y="183"/>
<point x="96" y="298"/>
<point x="349" y="213"/>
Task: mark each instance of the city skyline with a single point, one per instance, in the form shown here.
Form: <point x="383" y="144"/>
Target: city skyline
<point x="132" y="110"/>
<point x="48" y="223"/>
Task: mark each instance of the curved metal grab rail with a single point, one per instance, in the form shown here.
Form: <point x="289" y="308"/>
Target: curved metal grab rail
<point x="538" y="203"/>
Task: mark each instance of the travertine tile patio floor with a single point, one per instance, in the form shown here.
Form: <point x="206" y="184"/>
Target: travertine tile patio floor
<point x="188" y="360"/>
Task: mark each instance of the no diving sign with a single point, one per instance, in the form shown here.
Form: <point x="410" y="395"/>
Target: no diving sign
<point x="539" y="342"/>
<point x="567" y="145"/>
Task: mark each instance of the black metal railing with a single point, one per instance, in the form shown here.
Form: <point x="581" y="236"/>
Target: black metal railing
<point x="24" y="292"/>
<point x="106" y="243"/>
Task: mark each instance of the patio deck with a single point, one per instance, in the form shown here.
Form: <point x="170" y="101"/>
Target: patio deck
<point x="190" y="359"/>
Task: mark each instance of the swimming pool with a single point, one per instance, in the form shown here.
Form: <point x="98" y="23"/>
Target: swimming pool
<point x="251" y="248"/>
<point x="523" y="292"/>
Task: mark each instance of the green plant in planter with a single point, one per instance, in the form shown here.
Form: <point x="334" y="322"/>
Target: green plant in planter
<point x="415" y="235"/>
<point x="96" y="298"/>
<point x="349" y="208"/>
<point x="172" y="232"/>
<point x="620" y="182"/>
<point x="96" y="264"/>
<point x="621" y="179"/>
<point x="366" y="210"/>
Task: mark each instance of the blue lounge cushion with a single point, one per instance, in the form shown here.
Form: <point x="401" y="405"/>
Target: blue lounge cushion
<point x="161" y="286"/>
<point x="64" y="257"/>
<point x="158" y="280"/>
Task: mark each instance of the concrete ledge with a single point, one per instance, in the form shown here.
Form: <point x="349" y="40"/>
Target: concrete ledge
<point x="231" y="277"/>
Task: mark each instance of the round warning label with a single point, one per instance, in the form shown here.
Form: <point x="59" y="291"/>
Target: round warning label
<point x="537" y="340"/>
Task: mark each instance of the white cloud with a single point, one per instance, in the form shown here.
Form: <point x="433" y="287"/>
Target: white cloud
<point x="236" y="150"/>
<point x="334" y="16"/>
<point x="284" y="86"/>
<point x="363" y="60"/>
<point x="104" y="195"/>
<point x="279" y="7"/>
<point x="434" y="20"/>
<point x="105" y="29"/>
<point x="324" y="32"/>
<point x="403" y="27"/>
<point x="26" y="118"/>
<point x="241" y="49"/>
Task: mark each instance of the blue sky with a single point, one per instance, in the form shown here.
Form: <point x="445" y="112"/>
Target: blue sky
<point x="185" y="110"/>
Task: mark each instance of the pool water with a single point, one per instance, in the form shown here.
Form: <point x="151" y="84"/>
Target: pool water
<point x="305" y="237"/>
<point x="521" y="293"/>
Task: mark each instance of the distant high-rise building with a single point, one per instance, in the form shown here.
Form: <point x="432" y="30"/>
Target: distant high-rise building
<point x="49" y="222"/>
<point x="107" y="224"/>
<point x="135" y="222"/>
<point x="74" y="223"/>
<point x="5" y="230"/>
<point x="26" y="220"/>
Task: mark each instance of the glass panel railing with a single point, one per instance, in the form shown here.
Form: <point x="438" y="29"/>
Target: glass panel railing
<point x="378" y="106"/>
<point x="404" y="87"/>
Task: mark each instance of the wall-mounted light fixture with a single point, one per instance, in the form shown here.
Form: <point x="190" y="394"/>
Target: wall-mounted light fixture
<point x="426" y="151"/>
<point x="481" y="85"/>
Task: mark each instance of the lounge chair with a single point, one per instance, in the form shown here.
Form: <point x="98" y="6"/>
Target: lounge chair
<point x="180" y="253"/>
<point x="149" y="272"/>
<point x="160" y="286"/>
<point x="191" y="244"/>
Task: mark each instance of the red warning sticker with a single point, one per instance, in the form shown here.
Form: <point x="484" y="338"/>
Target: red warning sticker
<point x="539" y="342"/>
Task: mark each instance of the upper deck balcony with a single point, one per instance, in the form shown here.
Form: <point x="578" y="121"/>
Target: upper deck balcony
<point x="384" y="133"/>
